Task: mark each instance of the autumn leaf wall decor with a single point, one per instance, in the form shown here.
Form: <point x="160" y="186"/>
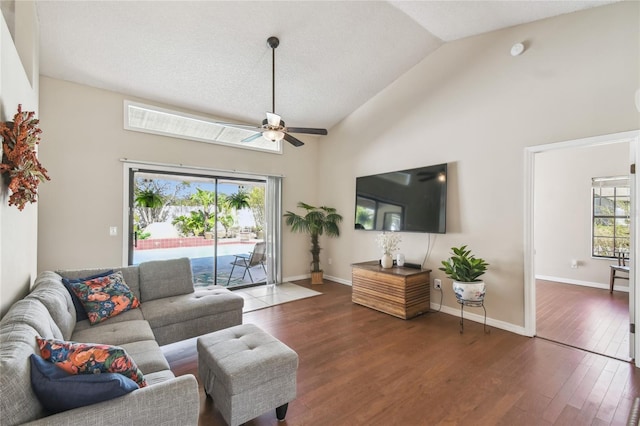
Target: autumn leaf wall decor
<point x="19" y="159"/>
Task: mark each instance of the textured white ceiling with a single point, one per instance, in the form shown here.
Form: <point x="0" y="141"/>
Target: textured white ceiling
<point x="452" y="20"/>
<point x="212" y="56"/>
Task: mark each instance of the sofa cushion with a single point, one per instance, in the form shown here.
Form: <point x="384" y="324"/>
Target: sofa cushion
<point x="176" y="309"/>
<point x="81" y="313"/>
<point x="32" y="312"/>
<point x="130" y="274"/>
<point x="165" y="278"/>
<point x="18" y="403"/>
<point x="148" y="356"/>
<point x="190" y="315"/>
<point x="48" y="289"/>
<point x="59" y="391"/>
<point x="116" y="334"/>
<point x="87" y="358"/>
<point x="105" y="297"/>
<point x="159" y="377"/>
<point x="130" y="315"/>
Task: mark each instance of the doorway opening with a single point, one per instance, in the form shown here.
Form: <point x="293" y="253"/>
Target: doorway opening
<point x="567" y="287"/>
<point x="219" y="222"/>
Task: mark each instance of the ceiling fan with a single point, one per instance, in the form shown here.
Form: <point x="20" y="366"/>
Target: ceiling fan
<point x="273" y="128"/>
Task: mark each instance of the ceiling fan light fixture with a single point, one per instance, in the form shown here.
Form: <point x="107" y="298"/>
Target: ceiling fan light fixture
<point x="273" y="135"/>
<point x="273" y="127"/>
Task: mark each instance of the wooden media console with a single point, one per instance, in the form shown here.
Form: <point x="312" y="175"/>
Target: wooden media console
<point x="398" y="291"/>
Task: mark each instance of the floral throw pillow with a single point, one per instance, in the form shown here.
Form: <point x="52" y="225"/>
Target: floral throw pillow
<point x="81" y="314"/>
<point x="105" y="297"/>
<point x="90" y="358"/>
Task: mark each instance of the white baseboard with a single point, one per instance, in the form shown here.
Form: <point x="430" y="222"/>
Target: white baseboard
<point x="297" y="277"/>
<point x="338" y="280"/>
<point x="582" y="283"/>
<point x="307" y="276"/>
<point x="479" y="318"/>
<point x="468" y="315"/>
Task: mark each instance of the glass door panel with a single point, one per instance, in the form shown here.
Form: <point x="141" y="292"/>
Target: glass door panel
<point x="216" y="222"/>
<point x="240" y="259"/>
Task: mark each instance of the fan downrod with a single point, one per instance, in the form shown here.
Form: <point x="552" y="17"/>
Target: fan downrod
<point x="273" y="42"/>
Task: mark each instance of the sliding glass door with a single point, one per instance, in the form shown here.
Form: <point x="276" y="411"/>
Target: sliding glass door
<point x="218" y="222"/>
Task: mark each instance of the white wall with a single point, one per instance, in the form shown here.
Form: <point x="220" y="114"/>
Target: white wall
<point x="563" y="211"/>
<point x="85" y="142"/>
<point x="469" y="104"/>
<point x="18" y="229"/>
<point x="472" y="105"/>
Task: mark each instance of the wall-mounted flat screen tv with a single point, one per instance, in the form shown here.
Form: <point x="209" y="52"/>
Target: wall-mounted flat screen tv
<point x="413" y="200"/>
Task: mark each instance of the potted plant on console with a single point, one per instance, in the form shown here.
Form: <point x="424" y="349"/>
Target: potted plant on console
<point x="465" y="270"/>
<point x="317" y="221"/>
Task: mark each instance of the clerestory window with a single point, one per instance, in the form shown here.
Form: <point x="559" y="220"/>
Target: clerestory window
<point x="144" y="118"/>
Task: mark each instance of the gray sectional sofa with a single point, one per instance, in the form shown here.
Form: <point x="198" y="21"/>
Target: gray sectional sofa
<point x="170" y="311"/>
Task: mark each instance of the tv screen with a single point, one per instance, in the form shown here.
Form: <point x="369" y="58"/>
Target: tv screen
<point x="413" y="200"/>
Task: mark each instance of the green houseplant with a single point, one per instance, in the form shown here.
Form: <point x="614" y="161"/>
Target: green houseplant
<point x="315" y="222"/>
<point x="465" y="270"/>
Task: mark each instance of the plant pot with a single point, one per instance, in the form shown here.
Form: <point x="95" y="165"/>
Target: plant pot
<point x="469" y="292"/>
<point x="386" y="261"/>
<point x="316" y="278"/>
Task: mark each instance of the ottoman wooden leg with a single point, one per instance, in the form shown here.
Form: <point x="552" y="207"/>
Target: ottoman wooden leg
<point x="281" y="411"/>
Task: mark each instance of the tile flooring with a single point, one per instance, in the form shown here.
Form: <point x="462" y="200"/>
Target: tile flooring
<point x="264" y="296"/>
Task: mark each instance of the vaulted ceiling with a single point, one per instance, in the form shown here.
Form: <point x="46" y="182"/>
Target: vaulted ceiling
<point x="212" y="56"/>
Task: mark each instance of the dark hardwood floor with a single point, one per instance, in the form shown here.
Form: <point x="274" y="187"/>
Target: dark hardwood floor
<point x="362" y="367"/>
<point x="588" y="318"/>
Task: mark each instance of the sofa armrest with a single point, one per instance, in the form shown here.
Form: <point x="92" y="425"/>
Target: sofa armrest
<point x="175" y="401"/>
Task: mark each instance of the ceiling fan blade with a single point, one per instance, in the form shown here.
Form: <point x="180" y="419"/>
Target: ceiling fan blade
<point x="252" y="137"/>
<point x="293" y="141"/>
<point x="307" y="130"/>
<point x="273" y="119"/>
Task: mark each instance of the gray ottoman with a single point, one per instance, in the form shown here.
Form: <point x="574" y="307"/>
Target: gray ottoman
<point x="247" y="372"/>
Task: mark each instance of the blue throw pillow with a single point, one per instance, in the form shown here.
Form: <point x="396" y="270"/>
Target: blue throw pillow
<point x="59" y="391"/>
<point x="81" y="314"/>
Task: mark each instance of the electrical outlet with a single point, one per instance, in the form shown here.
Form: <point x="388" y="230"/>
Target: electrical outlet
<point x="113" y="231"/>
<point x="437" y="284"/>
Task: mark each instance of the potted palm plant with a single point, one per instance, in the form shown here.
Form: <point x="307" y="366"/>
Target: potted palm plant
<point x="317" y="221"/>
<point x="465" y="270"/>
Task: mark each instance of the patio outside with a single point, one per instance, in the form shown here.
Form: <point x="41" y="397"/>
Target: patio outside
<point x="211" y="221"/>
<point x="202" y="255"/>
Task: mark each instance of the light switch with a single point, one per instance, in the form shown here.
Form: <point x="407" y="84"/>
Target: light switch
<point x="113" y="231"/>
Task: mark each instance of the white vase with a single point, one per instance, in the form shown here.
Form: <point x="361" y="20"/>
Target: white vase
<point x="386" y="261"/>
<point x="469" y="292"/>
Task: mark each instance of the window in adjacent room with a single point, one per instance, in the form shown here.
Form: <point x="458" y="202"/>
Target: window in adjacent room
<point x="611" y="200"/>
